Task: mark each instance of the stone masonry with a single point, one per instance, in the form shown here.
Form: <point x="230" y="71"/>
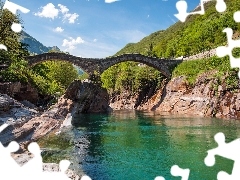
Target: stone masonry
<point x="89" y="65"/>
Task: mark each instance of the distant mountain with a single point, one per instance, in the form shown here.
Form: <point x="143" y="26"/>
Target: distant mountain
<point x="35" y="47"/>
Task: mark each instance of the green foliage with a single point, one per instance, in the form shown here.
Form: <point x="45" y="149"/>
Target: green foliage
<point x="13" y="57"/>
<point x="53" y="76"/>
<point x="232" y="80"/>
<point x="16" y="72"/>
<point x="236" y="52"/>
<point x="8" y="37"/>
<point x="192" y="69"/>
<point x="49" y="77"/>
<point x="145" y="46"/>
<point x="44" y="86"/>
<point x="130" y="76"/>
<point x="198" y="33"/>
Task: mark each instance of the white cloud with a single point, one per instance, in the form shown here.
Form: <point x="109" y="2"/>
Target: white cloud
<point x="58" y="29"/>
<point x="71" y="43"/>
<point x="95" y="40"/>
<point x="48" y="11"/>
<point x="110" y="1"/>
<point x="63" y="8"/>
<point x="70" y="17"/>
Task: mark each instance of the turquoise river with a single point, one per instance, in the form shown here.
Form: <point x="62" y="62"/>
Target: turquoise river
<point x="134" y="145"/>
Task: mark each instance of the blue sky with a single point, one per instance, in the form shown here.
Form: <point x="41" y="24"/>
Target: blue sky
<point x="94" y="28"/>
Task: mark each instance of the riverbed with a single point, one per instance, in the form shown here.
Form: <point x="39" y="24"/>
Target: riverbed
<point x="142" y="145"/>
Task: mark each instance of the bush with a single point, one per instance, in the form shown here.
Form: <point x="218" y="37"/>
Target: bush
<point x="193" y="68"/>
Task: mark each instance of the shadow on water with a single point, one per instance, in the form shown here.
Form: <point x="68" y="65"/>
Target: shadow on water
<point x="92" y="125"/>
<point x="89" y="142"/>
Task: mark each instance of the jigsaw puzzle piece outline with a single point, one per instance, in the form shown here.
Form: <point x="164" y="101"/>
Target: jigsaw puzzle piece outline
<point x="12" y="7"/>
<point x="5" y="156"/>
<point x="221" y="6"/>
<point x="177" y="171"/>
<point x="182" y="5"/>
<point x="227" y="150"/>
<point x="222" y="51"/>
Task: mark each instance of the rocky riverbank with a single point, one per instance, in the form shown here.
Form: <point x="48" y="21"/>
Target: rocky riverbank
<point x="27" y="124"/>
<point x="205" y="98"/>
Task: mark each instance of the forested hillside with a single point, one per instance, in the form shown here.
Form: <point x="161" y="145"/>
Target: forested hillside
<point x="197" y="34"/>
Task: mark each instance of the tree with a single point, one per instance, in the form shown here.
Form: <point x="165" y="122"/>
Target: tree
<point x="8" y="37"/>
<point x="59" y="71"/>
<point x="16" y="50"/>
<point x="48" y="78"/>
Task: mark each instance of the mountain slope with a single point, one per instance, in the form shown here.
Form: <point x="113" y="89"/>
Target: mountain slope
<point x="35" y="47"/>
<point x="198" y="33"/>
<point x="142" y="46"/>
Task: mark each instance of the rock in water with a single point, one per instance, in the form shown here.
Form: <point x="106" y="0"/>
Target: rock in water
<point x="87" y="97"/>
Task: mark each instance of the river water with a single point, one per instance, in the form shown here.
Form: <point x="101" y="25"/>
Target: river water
<point x="138" y="145"/>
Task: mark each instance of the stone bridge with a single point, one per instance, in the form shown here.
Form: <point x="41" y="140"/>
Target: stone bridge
<point x="89" y="65"/>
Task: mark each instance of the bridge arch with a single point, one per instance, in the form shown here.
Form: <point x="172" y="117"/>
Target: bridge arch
<point x="89" y="65"/>
<point x="161" y="65"/>
<point x="86" y="64"/>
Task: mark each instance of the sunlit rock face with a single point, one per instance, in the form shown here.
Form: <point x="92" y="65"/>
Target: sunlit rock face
<point x="181" y="99"/>
<point x="205" y="98"/>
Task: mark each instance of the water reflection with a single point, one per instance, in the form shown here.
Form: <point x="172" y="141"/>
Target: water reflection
<point x="140" y="145"/>
<point x="89" y="141"/>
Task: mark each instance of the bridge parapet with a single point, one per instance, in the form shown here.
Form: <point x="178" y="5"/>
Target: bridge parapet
<point x="90" y="65"/>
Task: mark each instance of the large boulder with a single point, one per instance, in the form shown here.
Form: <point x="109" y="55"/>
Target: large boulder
<point x="87" y="97"/>
<point x="26" y="124"/>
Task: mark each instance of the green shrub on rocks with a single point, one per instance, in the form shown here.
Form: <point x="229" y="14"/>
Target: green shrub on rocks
<point x="192" y="69"/>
